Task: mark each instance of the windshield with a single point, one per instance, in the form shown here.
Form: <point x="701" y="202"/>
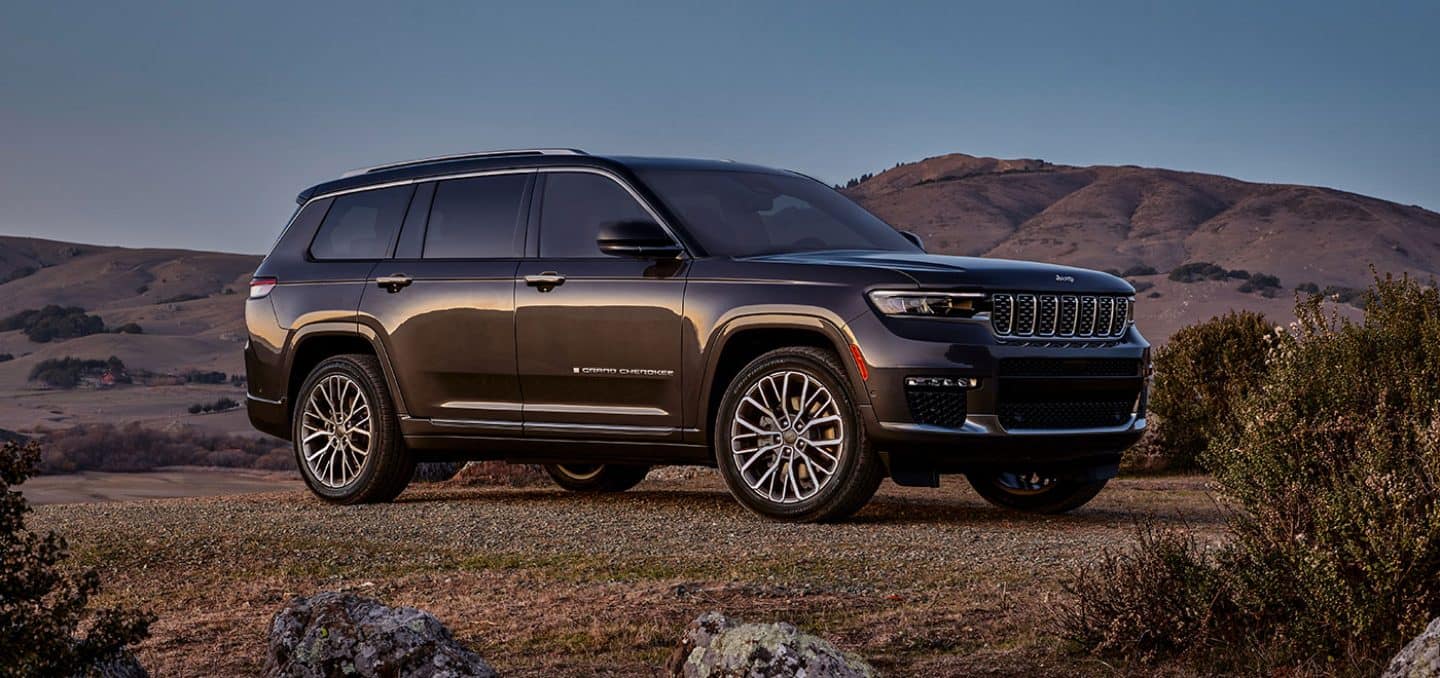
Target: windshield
<point x="748" y="213"/>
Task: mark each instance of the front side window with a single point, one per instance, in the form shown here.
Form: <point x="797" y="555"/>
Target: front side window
<point x="477" y="218"/>
<point x="361" y="225"/>
<point x="749" y="213"/>
<point x="576" y="205"/>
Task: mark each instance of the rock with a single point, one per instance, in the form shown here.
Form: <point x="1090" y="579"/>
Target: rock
<point x="334" y="634"/>
<point x="715" y="646"/>
<point x="1420" y="658"/>
<point x="123" y="665"/>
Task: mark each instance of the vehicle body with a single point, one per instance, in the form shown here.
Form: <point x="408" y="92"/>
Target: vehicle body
<point x="597" y="314"/>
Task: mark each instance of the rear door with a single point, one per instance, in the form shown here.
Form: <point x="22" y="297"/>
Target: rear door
<point x="598" y="337"/>
<point x="444" y="305"/>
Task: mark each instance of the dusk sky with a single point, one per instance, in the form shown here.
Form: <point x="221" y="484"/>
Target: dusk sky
<point x="195" y="124"/>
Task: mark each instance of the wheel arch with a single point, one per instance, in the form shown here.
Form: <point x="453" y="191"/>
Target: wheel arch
<point x="313" y="344"/>
<point x="743" y="339"/>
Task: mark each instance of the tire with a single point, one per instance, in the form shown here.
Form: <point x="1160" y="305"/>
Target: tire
<point x="809" y="440"/>
<point x="1034" y="493"/>
<point x="384" y="468"/>
<point x="596" y="477"/>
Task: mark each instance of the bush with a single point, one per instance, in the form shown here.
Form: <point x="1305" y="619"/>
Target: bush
<point x="53" y="322"/>
<point x="1308" y="288"/>
<point x="1238" y="274"/>
<point x="6" y="357"/>
<point x="68" y="371"/>
<point x="1200" y="375"/>
<point x="1333" y="465"/>
<point x="18" y="273"/>
<point x="42" y="608"/>
<point x="129" y="328"/>
<point x="204" y="377"/>
<point x="221" y="405"/>
<point x="1197" y="271"/>
<point x="1139" y="269"/>
<point x="1266" y="285"/>
<point x="132" y="447"/>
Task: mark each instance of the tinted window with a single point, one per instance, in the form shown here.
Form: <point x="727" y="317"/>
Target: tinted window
<point x="748" y="213"/>
<point x="576" y="204"/>
<point x="361" y="225"/>
<point x="476" y="218"/>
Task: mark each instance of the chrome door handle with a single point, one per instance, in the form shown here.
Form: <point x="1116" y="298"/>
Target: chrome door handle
<point x="546" y="281"/>
<point x="394" y="283"/>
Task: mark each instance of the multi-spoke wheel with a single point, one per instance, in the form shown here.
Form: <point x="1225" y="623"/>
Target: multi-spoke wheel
<point x="1034" y="492"/>
<point x="596" y="477"/>
<point x="346" y="443"/>
<point x="788" y="441"/>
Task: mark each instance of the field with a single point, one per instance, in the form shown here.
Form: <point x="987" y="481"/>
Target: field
<point x="545" y="583"/>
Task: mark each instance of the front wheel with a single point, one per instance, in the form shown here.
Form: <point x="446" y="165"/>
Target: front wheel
<point x="789" y="441"/>
<point x="596" y="477"/>
<point x="1034" y="492"/>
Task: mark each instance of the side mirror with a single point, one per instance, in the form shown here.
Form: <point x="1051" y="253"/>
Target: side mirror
<point x="912" y="237"/>
<point x="644" y="239"/>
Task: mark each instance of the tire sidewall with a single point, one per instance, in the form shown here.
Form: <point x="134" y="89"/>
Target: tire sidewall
<point x="850" y="425"/>
<point x="382" y="433"/>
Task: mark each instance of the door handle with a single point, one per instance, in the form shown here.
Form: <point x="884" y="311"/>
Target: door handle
<point x="546" y="281"/>
<point x="394" y="283"/>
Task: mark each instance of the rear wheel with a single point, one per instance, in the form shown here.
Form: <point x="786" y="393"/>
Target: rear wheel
<point x="596" y="477"/>
<point x="347" y="443"/>
<point x="789" y="441"/>
<point x="1034" y="492"/>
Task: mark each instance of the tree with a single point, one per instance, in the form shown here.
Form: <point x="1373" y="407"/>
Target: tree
<point x="42" y="609"/>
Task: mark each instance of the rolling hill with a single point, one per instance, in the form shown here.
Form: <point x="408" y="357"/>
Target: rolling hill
<point x="1125" y="217"/>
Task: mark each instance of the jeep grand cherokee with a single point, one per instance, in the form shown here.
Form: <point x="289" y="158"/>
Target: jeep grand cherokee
<point x="602" y="315"/>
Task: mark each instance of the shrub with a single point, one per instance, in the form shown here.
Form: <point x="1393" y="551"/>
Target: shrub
<point x="132" y="447"/>
<point x="1266" y="285"/>
<point x="43" y="609"/>
<point x="1308" y="288"/>
<point x="221" y="405"/>
<point x="18" y="273"/>
<point x="129" y="328"/>
<point x="1197" y="271"/>
<point x="1200" y="375"/>
<point x="6" y="357"/>
<point x="53" y="322"/>
<point x="204" y="377"/>
<point x="68" y="371"/>
<point x="1333" y="465"/>
<point x="1139" y="269"/>
<point x="1238" y="274"/>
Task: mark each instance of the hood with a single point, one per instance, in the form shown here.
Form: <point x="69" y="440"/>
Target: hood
<point x="937" y="270"/>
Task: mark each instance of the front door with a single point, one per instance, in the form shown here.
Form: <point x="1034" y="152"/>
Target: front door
<point x="444" y="305"/>
<point x="597" y="337"/>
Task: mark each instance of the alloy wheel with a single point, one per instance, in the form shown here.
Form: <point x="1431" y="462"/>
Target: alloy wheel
<point x="336" y="432"/>
<point x="787" y="437"/>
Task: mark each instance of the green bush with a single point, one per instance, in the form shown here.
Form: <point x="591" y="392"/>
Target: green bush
<point x="1201" y="373"/>
<point x="68" y="371"/>
<point x="48" y="625"/>
<point x="129" y="328"/>
<point x="53" y="322"/>
<point x="1197" y="271"/>
<point x="1333" y="467"/>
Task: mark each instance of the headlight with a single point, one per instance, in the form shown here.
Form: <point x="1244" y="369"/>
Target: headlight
<point x="932" y="304"/>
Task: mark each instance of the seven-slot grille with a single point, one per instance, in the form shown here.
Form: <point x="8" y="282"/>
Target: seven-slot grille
<point x="1059" y="315"/>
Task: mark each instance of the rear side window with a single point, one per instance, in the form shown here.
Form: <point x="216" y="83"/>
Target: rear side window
<point x="477" y="218"/>
<point x="576" y="204"/>
<point x="362" y="225"/>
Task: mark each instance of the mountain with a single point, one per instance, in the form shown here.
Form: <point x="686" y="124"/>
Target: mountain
<point x="1124" y="218"/>
<point x="189" y="306"/>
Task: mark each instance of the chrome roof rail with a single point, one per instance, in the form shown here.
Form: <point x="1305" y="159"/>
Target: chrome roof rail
<point x="464" y="156"/>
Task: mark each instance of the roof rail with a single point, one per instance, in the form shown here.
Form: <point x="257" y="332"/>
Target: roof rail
<point x="465" y="156"/>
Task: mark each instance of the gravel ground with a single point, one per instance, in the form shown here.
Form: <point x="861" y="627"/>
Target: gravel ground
<point x="545" y="583"/>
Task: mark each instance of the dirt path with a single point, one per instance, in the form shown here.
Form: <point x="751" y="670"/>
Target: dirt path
<point x="544" y="583"/>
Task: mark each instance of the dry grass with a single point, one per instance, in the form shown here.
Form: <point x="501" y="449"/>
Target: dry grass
<point x="544" y="583"/>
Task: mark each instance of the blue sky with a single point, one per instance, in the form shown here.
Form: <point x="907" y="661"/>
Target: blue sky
<point x="194" y="124"/>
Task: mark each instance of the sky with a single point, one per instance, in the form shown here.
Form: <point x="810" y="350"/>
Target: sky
<point x="194" y="124"/>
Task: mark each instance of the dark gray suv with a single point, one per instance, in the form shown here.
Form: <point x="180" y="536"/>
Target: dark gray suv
<point x="601" y="315"/>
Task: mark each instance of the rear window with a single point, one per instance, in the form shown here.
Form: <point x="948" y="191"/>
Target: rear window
<point x="362" y="225"/>
<point x="476" y="218"/>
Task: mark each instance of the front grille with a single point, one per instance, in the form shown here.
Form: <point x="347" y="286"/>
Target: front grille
<point x="1059" y="315"/>
<point x="1064" y="414"/>
<point x="1069" y="367"/>
<point x="937" y="406"/>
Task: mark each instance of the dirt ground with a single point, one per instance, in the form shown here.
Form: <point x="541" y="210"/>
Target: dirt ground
<point x="545" y="583"/>
<point x="99" y="486"/>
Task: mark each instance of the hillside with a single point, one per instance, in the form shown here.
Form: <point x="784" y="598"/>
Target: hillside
<point x="189" y="305"/>
<point x="1118" y="218"/>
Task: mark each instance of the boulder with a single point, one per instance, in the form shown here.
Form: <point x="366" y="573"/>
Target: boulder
<point x="1420" y="658"/>
<point x="715" y="646"/>
<point x="335" y="634"/>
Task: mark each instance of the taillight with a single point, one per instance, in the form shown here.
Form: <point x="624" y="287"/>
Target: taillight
<point x="260" y="287"/>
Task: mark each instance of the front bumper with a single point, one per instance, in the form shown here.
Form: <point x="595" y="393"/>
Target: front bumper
<point x="985" y="431"/>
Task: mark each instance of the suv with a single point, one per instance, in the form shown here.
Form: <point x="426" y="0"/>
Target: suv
<point x="602" y="315"/>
